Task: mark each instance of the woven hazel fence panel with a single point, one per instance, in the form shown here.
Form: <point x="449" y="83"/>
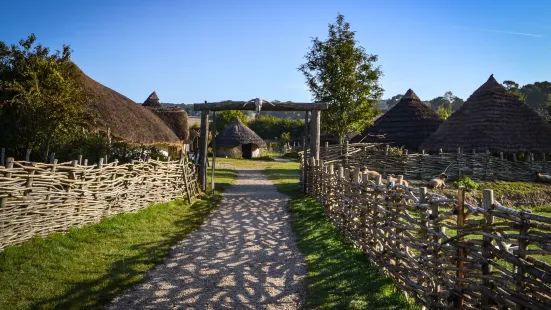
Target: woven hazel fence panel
<point x="443" y="252"/>
<point x="40" y="199"/>
<point x="482" y="166"/>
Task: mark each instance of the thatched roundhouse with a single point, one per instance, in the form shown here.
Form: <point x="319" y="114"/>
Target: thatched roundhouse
<point x="152" y="101"/>
<point x="238" y="140"/>
<point x="174" y="117"/>
<point x="409" y="123"/>
<point x="127" y="120"/>
<point x="495" y="120"/>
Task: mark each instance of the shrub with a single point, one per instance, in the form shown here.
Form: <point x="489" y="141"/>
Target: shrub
<point x="467" y="182"/>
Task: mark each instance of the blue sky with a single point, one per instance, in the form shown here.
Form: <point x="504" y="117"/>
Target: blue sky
<point x="191" y="51"/>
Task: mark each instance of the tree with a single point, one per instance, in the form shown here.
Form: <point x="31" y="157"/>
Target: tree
<point x="448" y="101"/>
<point x="390" y="103"/>
<point x="444" y="111"/>
<point x="512" y="87"/>
<point x="42" y="99"/>
<point x="224" y="118"/>
<point x="343" y="75"/>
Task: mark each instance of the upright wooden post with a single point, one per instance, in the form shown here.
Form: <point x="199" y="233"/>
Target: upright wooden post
<point x="487" y="201"/>
<point x="2" y="157"/>
<point x="315" y="134"/>
<point x="9" y="165"/>
<point x="52" y="157"/>
<point x="305" y="157"/>
<point x="80" y="159"/>
<point x="28" y="155"/>
<point x="204" y="140"/>
<point x="213" y="151"/>
<point x="460" y="273"/>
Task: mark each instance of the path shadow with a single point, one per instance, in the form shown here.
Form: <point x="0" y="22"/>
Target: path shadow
<point x="244" y="257"/>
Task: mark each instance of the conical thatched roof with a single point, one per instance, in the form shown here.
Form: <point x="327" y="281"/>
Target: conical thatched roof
<point x="238" y="134"/>
<point x="128" y="120"/>
<point x="407" y="124"/>
<point x="152" y="101"/>
<point x="492" y="119"/>
<point x="174" y="117"/>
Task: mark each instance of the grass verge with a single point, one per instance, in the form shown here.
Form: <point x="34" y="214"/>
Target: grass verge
<point x="339" y="276"/>
<point x="87" y="267"/>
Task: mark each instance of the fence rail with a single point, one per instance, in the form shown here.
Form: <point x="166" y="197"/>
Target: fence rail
<point x="441" y="251"/>
<point x="482" y="166"/>
<point x="38" y="199"/>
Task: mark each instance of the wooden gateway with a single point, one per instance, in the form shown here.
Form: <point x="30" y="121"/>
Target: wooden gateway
<point x="255" y="105"/>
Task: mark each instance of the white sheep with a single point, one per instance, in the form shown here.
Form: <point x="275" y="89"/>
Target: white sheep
<point x="544" y="178"/>
<point x="438" y="182"/>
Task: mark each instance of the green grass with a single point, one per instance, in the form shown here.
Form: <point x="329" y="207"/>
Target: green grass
<point x="89" y="266"/>
<point x="339" y="276"/>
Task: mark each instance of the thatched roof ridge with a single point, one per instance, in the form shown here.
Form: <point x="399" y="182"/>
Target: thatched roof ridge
<point x="406" y="124"/>
<point x="236" y="134"/>
<point x="152" y="100"/>
<point x="492" y="119"/>
<point x="127" y="120"/>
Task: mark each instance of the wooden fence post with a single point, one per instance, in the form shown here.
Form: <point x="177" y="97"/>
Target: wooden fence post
<point x="460" y="273"/>
<point x="422" y="214"/>
<point x="487" y="201"/>
<point x="28" y="155"/>
<point x="436" y="227"/>
<point x="80" y="159"/>
<point x="2" y="157"/>
<point x="204" y="141"/>
<point x="52" y="157"/>
<point x="304" y="166"/>
<point x="4" y="200"/>
<point x="522" y="245"/>
<point x="30" y="180"/>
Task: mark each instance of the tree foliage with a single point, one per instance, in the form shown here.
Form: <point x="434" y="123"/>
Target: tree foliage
<point x="272" y="128"/>
<point x="448" y="102"/>
<point x="390" y="103"/>
<point x="444" y="111"/>
<point x="224" y="118"/>
<point x="342" y="74"/>
<point x="41" y="99"/>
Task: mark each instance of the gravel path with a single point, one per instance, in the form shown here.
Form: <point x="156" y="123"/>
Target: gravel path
<point x="243" y="257"/>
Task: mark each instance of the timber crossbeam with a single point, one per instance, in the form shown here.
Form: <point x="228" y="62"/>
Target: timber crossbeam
<point x="244" y="105"/>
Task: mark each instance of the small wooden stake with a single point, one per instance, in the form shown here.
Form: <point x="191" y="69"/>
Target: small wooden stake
<point x="460" y="251"/>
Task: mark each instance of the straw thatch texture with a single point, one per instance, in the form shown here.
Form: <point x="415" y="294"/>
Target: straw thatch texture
<point x="152" y="101"/>
<point x="409" y="123"/>
<point x="237" y="134"/>
<point x="495" y="120"/>
<point x="41" y="199"/>
<point x="175" y="118"/>
<point x="443" y="252"/>
<point x="127" y="120"/>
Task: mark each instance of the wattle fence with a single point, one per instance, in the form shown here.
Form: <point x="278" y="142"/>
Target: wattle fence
<point x="38" y="199"/>
<point x="441" y="251"/>
<point x="482" y="166"/>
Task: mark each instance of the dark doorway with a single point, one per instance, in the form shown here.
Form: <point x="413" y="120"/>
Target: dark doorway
<point x="247" y="150"/>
